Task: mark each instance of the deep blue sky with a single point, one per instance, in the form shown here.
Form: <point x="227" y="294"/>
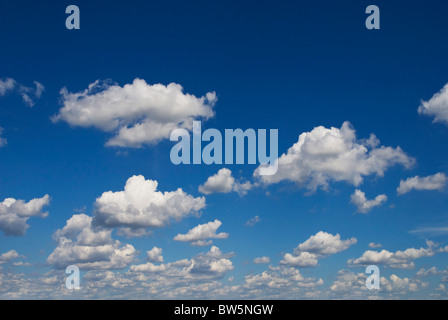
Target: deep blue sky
<point x="286" y="65"/>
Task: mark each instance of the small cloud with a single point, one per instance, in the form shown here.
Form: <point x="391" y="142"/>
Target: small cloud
<point x="434" y="182"/>
<point x="155" y="255"/>
<point x="14" y="214"/>
<point x="28" y="94"/>
<point x="224" y="182"/>
<point x="200" y="235"/>
<point x="374" y="245"/>
<point x="9" y="256"/>
<point x="432" y="231"/>
<point x="363" y="205"/>
<point x="253" y="221"/>
<point x="437" y="106"/>
<point x="3" y="141"/>
<point x="262" y="260"/>
<point x="320" y="245"/>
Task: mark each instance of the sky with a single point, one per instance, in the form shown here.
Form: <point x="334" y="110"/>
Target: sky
<point x="86" y="177"/>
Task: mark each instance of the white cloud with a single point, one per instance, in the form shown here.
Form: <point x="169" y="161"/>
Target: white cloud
<point x="199" y="235"/>
<point x="427" y="272"/>
<point x="400" y="285"/>
<point x="28" y="94"/>
<point x="9" y="256"/>
<point x="7" y="85"/>
<point x="363" y="205"/>
<point x="324" y="243"/>
<point x="300" y="260"/>
<point x="79" y="243"/>
<point x="350" y="285"/>
<point x="262" y="260"/>
<point x="140" y="206"/>
<point x="224" y="182"/>
<point x="278" y="283"/>
<point x="253" y="221"/>
<point x="155" y="255"/>
<point x="437" y="106"/>
<point x="14" y="214"/>
<point x="319" y="245"/>
<point x="209" y="265"/>
<point x="434" y="182"/>
<point x="324" y="155"/>
<point x="398" y="260"/>
<point x="3" y="141"/>
<point x="433" y="231"/>
<point x="374" y="245"/>
<point x="137" y="113"/>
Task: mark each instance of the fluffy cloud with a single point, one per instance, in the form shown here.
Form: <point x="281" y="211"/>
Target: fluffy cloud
<point x="155" y="255"/>
<point x="8" y="256"/>
<point x="422" y="273"/>
<point x="324" y="243"/>
<point x="401" y="285"/>
<point x="437" y="106"/>
<point x="300" y="260"/>
<point x="224" y="182"/>
<point x="140" y="206"/>
<point x="14" y="214"/>
<point x="319" y="245"/>
<point x="434" y="182"/>
<point x="324" y="155"/>
<point x="79" y="243"/>
<point x="209" y="265"/>
<point x="262" y="260"/>
<point x="398" y="260"/>
<point x="199" y="235"/>
<point x="278" y="283"/>
<point x="374" y="245"/>
<point x="28" y="94"/>
<point x="350" y="285"/>
<point x="363" y="205"/>
<point x="137" y="113"/>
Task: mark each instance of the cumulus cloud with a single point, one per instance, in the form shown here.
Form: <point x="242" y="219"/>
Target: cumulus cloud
<point x="397" y="260"/>
<point x="350" y="285"/>
<point x="155" y="255"/>
<point x="136" y="114"/>
<point x="437" y="106"/>
<point x="28" y="94"/>
<point x="200" y="235"/>
<point x="14" y="214"/>
<point x="324" y="155"/>
<point x="300" y="260"/>
<point x="224" y="182"/>
<point x="319" y="245"/>
<point x="363" y="205"/>
<point x="262" y="260"/>
<point x="79" y="243"/>
<point x="434" y="182"/>
<point x="324" y="243"/>
<point x="423" y="273"/>
<point x="9" y="256"/>
<point x="374" y="245"/>
<point x="401" y="285"/>
<point x="206" y="265"/>
<point x="279" y="283"/>
<point x="140" y="206"/>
